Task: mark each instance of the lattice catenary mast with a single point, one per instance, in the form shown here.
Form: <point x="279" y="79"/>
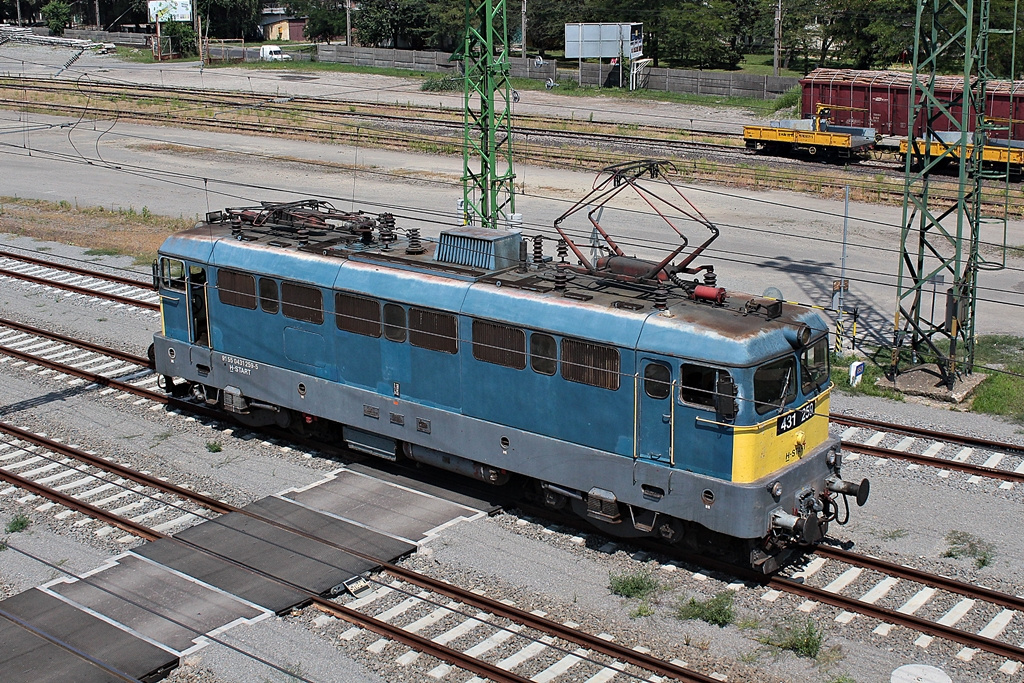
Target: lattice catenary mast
<point x="941" y="244"/>
<point x="488" y="179"/>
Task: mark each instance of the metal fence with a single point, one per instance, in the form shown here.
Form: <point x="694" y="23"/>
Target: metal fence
<point x="589" y="73"/>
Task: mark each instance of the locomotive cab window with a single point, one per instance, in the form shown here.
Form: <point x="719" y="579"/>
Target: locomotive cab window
<point x="357" y="314"/>
<point x="236" y="289"/>
<point x="774" y="384"/>
<point x="814" y="370"/>
<point x="301" y="302"/>
<point x="499" y="344"/>
<point x="433" y="330"/>
<point x="697" y="384"/>
<point x="172" y="273"/>
<point x="591" y="364"/>
<point x="394" y="322"/>
<point x="543" y="353"/>
<point x="268" y="295"/>
<point x="657" y="380"/>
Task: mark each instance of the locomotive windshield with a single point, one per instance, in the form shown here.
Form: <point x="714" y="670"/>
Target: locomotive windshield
<point x="814" y="368"/>
<point x="774" y="384"/>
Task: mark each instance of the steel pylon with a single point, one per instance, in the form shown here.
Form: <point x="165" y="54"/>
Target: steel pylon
<point x="488" y="178"/>
<point x="940" y="240"/>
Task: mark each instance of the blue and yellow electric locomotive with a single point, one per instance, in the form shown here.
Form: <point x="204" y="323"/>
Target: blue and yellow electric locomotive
<point x="648" y="404"/>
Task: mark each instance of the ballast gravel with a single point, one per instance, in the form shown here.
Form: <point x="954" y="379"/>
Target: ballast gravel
<point x="566" y="574"/>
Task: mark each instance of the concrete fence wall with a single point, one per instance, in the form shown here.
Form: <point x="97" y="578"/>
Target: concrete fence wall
<point x="590" y="73"/>
<point x="124" y="38"/>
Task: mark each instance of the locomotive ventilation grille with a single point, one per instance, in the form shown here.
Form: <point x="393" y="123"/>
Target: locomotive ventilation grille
<point x="479" y="248"/>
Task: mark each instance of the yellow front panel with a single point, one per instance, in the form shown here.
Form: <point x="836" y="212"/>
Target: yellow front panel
<point x="757" y="451"/>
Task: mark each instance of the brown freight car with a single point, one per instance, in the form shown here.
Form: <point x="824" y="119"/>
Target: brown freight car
<point x="881" y="100"/>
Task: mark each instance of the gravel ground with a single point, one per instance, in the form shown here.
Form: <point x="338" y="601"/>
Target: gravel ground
<point x="908" y="518"/>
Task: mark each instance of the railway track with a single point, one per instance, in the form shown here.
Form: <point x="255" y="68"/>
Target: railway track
<point x="979" y="458"/>
<point x="899" y="595"/>
<point x="396" y="610"/>
<point x="857" y="584"/>
<point x="717" y="156"/>
<point x="122" y="291"/>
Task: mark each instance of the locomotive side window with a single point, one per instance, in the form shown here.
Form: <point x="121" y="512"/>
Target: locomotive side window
<point x="697" y="384"/>
<point x="236" y="289"/>
<point x="657" y="380"/>
<point x="301" y="302"/>
<point x="433" y="330"/>
<point x="173" y="273"/>
<point x="774" y="385"/>
<point x="268" y="295"/>
<point x="394" y="322"/>
<point x="357" y="314"/>
<point x="499" y="344"/>
<point x="543" y="353"/>
<point x="591" y="364"/>
<point x="814" y="364"/>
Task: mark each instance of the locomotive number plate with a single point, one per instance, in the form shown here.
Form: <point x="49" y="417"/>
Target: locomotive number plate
<point x="794" y="419"/>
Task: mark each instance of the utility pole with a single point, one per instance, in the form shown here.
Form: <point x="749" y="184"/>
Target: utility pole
<point x="489" y="187"/>
<point x="97" y="5"/>
<point x="943" y="241"/>
<point x="778" y="38"/>
<point x="348" y="23"/>
<point x="523" y="26"/>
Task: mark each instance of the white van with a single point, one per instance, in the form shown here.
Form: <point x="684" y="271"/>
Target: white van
<point x="272" y="53"/>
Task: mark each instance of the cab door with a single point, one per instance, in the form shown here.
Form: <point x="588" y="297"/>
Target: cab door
<point x="198" y="305"/>
<point x="173" y="299"/>
<point x="655" y="415"/>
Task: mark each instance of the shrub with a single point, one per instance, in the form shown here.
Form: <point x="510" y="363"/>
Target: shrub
<point x="636" y="585"/>
<point x="19" y="522"/>
<point x="717" y="610"/>
<point x="214" y="446"/>
<point x="963" y="544"/>
<point x="802" y="639"/>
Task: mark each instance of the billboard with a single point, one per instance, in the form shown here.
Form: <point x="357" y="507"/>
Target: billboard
<point x="591" y="41"/>
<point x="170" y="10"/>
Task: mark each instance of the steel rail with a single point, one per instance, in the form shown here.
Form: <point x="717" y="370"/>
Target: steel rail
<point x="319" y="106"/>
<point x="850" y="421"/>
<point x="664" y="668"/>
<point x="114" y="468"/>
<point x="420" y="643"/>
<point x="515" y="614"/>
<point x="977" y="470"/>
<point x="89" y="346"/>
<point x="916" y="623"/>
<point x="79" y="271"/>
<point x="80" y="290"/>
<point x="93" y="377"/>
<point x="918" y="576"/>
<point x="122" y="523"/>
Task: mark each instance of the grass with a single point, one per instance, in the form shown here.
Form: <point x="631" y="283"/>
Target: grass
<point x="636" y="585"/>
<point x="18" y="523"/>
<point x="893" y="534"/>
<point x="872" y="372"/>
<point x="642" y="610"/>
<point x="965" y="545"/>
<point x="214" y="446"/>
<point x="104" y="231"/>
<point x="1000" y="394"/>
<point x="804" y="639"/>
<point x="717" y="610"/>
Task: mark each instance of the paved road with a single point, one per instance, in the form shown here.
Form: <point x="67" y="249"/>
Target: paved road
<point x="783" y="240"/>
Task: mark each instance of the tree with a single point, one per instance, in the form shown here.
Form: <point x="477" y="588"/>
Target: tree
<point x="182" y="35"/>
<point x="394" y="23"/>
<point x="698" y="33"/>
<point x="57" y="15"/>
